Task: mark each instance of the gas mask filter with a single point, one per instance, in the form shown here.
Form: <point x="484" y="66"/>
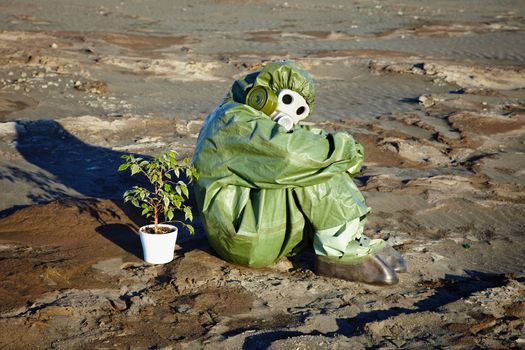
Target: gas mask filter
<point x="287" y="108"/>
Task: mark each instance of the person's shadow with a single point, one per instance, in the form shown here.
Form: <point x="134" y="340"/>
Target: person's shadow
<point x="91" y="171"/>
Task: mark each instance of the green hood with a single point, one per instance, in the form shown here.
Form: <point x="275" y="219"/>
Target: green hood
<point x="276" y="76"/>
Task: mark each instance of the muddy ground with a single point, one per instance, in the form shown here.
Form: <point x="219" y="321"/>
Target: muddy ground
<point x="435" y="91"/>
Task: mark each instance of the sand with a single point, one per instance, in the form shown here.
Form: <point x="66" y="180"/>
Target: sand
<point x="435" y="91"/>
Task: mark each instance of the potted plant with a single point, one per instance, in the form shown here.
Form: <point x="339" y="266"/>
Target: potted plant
<point x="165" y="195"/>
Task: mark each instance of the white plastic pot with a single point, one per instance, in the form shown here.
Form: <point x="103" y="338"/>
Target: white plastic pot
<point x="158" y="248"/>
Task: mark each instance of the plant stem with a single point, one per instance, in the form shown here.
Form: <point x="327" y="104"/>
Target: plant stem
<point x="156" y="219"/>
<point x="156" y="208"/>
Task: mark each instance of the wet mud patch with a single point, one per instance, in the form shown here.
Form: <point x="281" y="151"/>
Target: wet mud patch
<point x="141" y="42"/>
<point x="9" y="105"/>
<point x="28" y="272"/>
<point x="137" y="42"/>
<point x="264" y="36"/>
<point x="26" y="41"/>
<point x="486" y="125"/>
<point x="53" y="246"/>
<point x="224" y="301"/>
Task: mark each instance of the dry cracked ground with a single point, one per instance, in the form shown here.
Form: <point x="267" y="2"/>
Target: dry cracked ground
<point x="435" y="91"/>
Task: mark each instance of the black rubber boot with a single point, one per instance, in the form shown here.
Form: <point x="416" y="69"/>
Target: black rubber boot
<point x="393" y="259"/>
<point x="371" y="269"/>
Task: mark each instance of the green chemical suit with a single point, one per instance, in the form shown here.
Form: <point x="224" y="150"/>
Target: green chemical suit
<point x="264" y="193"/>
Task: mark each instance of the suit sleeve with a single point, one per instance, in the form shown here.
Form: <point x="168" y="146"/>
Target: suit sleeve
<point x="262" y="153"/>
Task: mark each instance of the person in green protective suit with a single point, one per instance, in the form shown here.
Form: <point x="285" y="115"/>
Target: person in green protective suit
<point x="268" y="186"/>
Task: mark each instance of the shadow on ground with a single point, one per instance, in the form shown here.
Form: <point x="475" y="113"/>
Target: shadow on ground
<point x="448" y="290"/>
<point x="124" y="236"/>
<point x="89" y="170"/>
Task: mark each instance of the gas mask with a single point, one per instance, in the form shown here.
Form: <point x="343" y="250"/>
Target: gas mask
<point x="287" y="108"/>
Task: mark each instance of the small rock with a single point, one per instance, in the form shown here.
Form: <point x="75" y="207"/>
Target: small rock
<point x="426" y="101"/>
<point x="23" y="75"/>
<point x="119" y="304"/>
<point x="417" y="70"/>
<point x="182" y="308"/>
<point x="430" y="69"/>
<point x="8" y="129"/>
<point x="54" y="46"/>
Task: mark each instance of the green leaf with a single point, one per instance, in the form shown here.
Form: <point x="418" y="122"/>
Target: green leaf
<point x="185" y="190"/>
<point x="170" y="215"/>
<point x="123" y="167"/>
<point x="145" y="211"/>
<point x="190" y="229"/>
<point x="135" y="168"/>
<point x="187" y="213"/>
